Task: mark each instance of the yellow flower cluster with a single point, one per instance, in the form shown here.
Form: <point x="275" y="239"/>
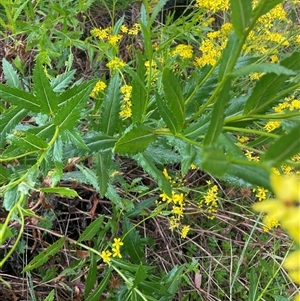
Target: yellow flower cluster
<point x="285" y="209"/>
<point x="210" y="200"/>
<point x="99" y="87"/>
<point x="106" y="35"/>
<point x="184" y="51"/>
<point x="126" y="104"/>
<point x="115" y="63"/>
<point x="213" y="6"/>
<point x="116" y="246"/>
<point x="133" y="31"/>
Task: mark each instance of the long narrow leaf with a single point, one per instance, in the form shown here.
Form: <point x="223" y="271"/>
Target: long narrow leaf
<point x="11" y="76"/>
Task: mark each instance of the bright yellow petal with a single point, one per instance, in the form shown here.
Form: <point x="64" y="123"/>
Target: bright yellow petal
<point x="273" y="208"/>
<point x="292" y="262"/>
<point x="295" y="276"/>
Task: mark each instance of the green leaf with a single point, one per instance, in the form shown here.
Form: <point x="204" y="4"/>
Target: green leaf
<point x="92" y="229"/>
<point x="228" y="56"/>
<point x="269" y="85"/>
<point x="11" y="76"/>
<point x="44" y="256"/>
<point x="141" y="274"/>
<point x="50" y="297"/>
<point x="240" y="15"/>
<point x="22" y="99"/>
<point x="90" y="176"/>
<point x="132" y="241"/>
<point x="111" y="107"/>
<point x="4" y="174"/>
<point x="102" y="162"/>
<point x="8" y="120"/>
<point x="138" y="95"/>
<point x="62" y="191"/>
<point x="147" y="164"/>
<point x="135" y="140"/>
<point x="61" y="82"/>
<point x="262" y="68"/>
<point x="214" y="161"/>
<point x="75" y="138"/>
<point x="188" y="157"/>
<point x="68" y="114"/>
<point x="217" y="118"/>
<point x="99" y="142"/>
<point x="43" y="91"/>
<point x="101" y="287"/>
<point x="28" y="141"/>
<point x="167" y="115"/>
<point x="174" y="96"/>
<point x="5" y="235"/>
<point x="283" y="148"/>
<point x="91" y="275"/>
<point x="265" y="6"/>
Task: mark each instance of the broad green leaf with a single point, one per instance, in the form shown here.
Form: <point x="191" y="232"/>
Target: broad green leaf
<point x="74" y="137"/>
<point x="135" y="140"/>
<point x="174" y="96"/>
<point x="92" y="229"/>
<point x="99" y="142"/>
<point x="217" y="117"/>
<point x="240" y="15"/>
<point x="246" y="175"/>
<point x="147" y="164"/>
<point x="125" y="265"/>
<point x="265" y="6"/>
<point x="11" y="76"/>
<point x="5" y="234"/>
<point x="167" y="115"/>
<point x="61" y="82"/>
<point x="138" y="95"/>
<point x="91" y="275"/>
<point x="102" y="161"/>
<point x="28" y="141"/>
<point x="157" y="9"/>
<point x="197" y="128"/>
<point x="269" y="85"/>
<point x="22" y="99"/>
<point x="43" y="91"/>
<point x="214" y="161"/>
<point x="68" y="115"/>
<point x="228" y="56"/>
<point x="45" y="255"/>
<point x="141" y="274"/>
<point x="4" y="174"/>
<point x="262" y="68"/>
<point x="62" y="191"/>
<point x="8" y="120"/>
<point x="90" y="176"/>
<point x="283" y="148"/>
<point x="132" y="241"/>
<point x="101" y="287"/>
<point x="110" y="108"/>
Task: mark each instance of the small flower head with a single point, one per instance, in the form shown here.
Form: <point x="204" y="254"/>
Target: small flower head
<point x="106" y="255"/>
<point x="184" y="231"/>
<point x="115" y="63"/>
<point x="117" y="243"/>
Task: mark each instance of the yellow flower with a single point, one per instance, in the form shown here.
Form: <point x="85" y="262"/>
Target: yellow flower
<point x="297" y="297"/>
<point x="99" y="87"/>
<point x="106" y="255"/>
<point x="184" y="231"/>
<point x="116" y="252"/>
<point x="184" y="51"/>
<point x="115" y="63"/>
<point x="117" y="243"/>
<point x="286" y="208"/>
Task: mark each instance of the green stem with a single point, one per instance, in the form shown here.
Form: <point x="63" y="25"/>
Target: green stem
<point x="249" y="131"/>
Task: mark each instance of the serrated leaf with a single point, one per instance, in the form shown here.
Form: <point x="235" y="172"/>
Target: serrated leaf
<point x="147" y="164"/>
<point x="269" y="85"/>
<point x="28" y="141"/>
<point x="11" y="76"/>
<point x="22" y="99"/>
<point x="167" y="115"/>
<point x="62" y="191"/>
<point x="214" y="161"/>
<point x="68" y="115"/>
<point x="44" y="93"/>
<point x="240" y="15"/>
<point x="138" y="96"/>
<point x="101" y="165"/>
<point x="4" y="174"/>
<point x="74" y="137"/>
<point x="110" y="108"/>
<point x="283" y="148"/>
<point x="90" y="176"/>
<point x="61" y="82"/>
<point x="174" y="96"/>
<point x="135" y="140"/>
<point x="132" y="241"/>
<point x="141" y="274"/>
<point x="217" y="118"/>
<point x="8" y="120"/>
<point x="262" y="68"/>
<point x="92" y="229"/>
<point x="101" y="287"/>
<point x="45" y="255"/>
